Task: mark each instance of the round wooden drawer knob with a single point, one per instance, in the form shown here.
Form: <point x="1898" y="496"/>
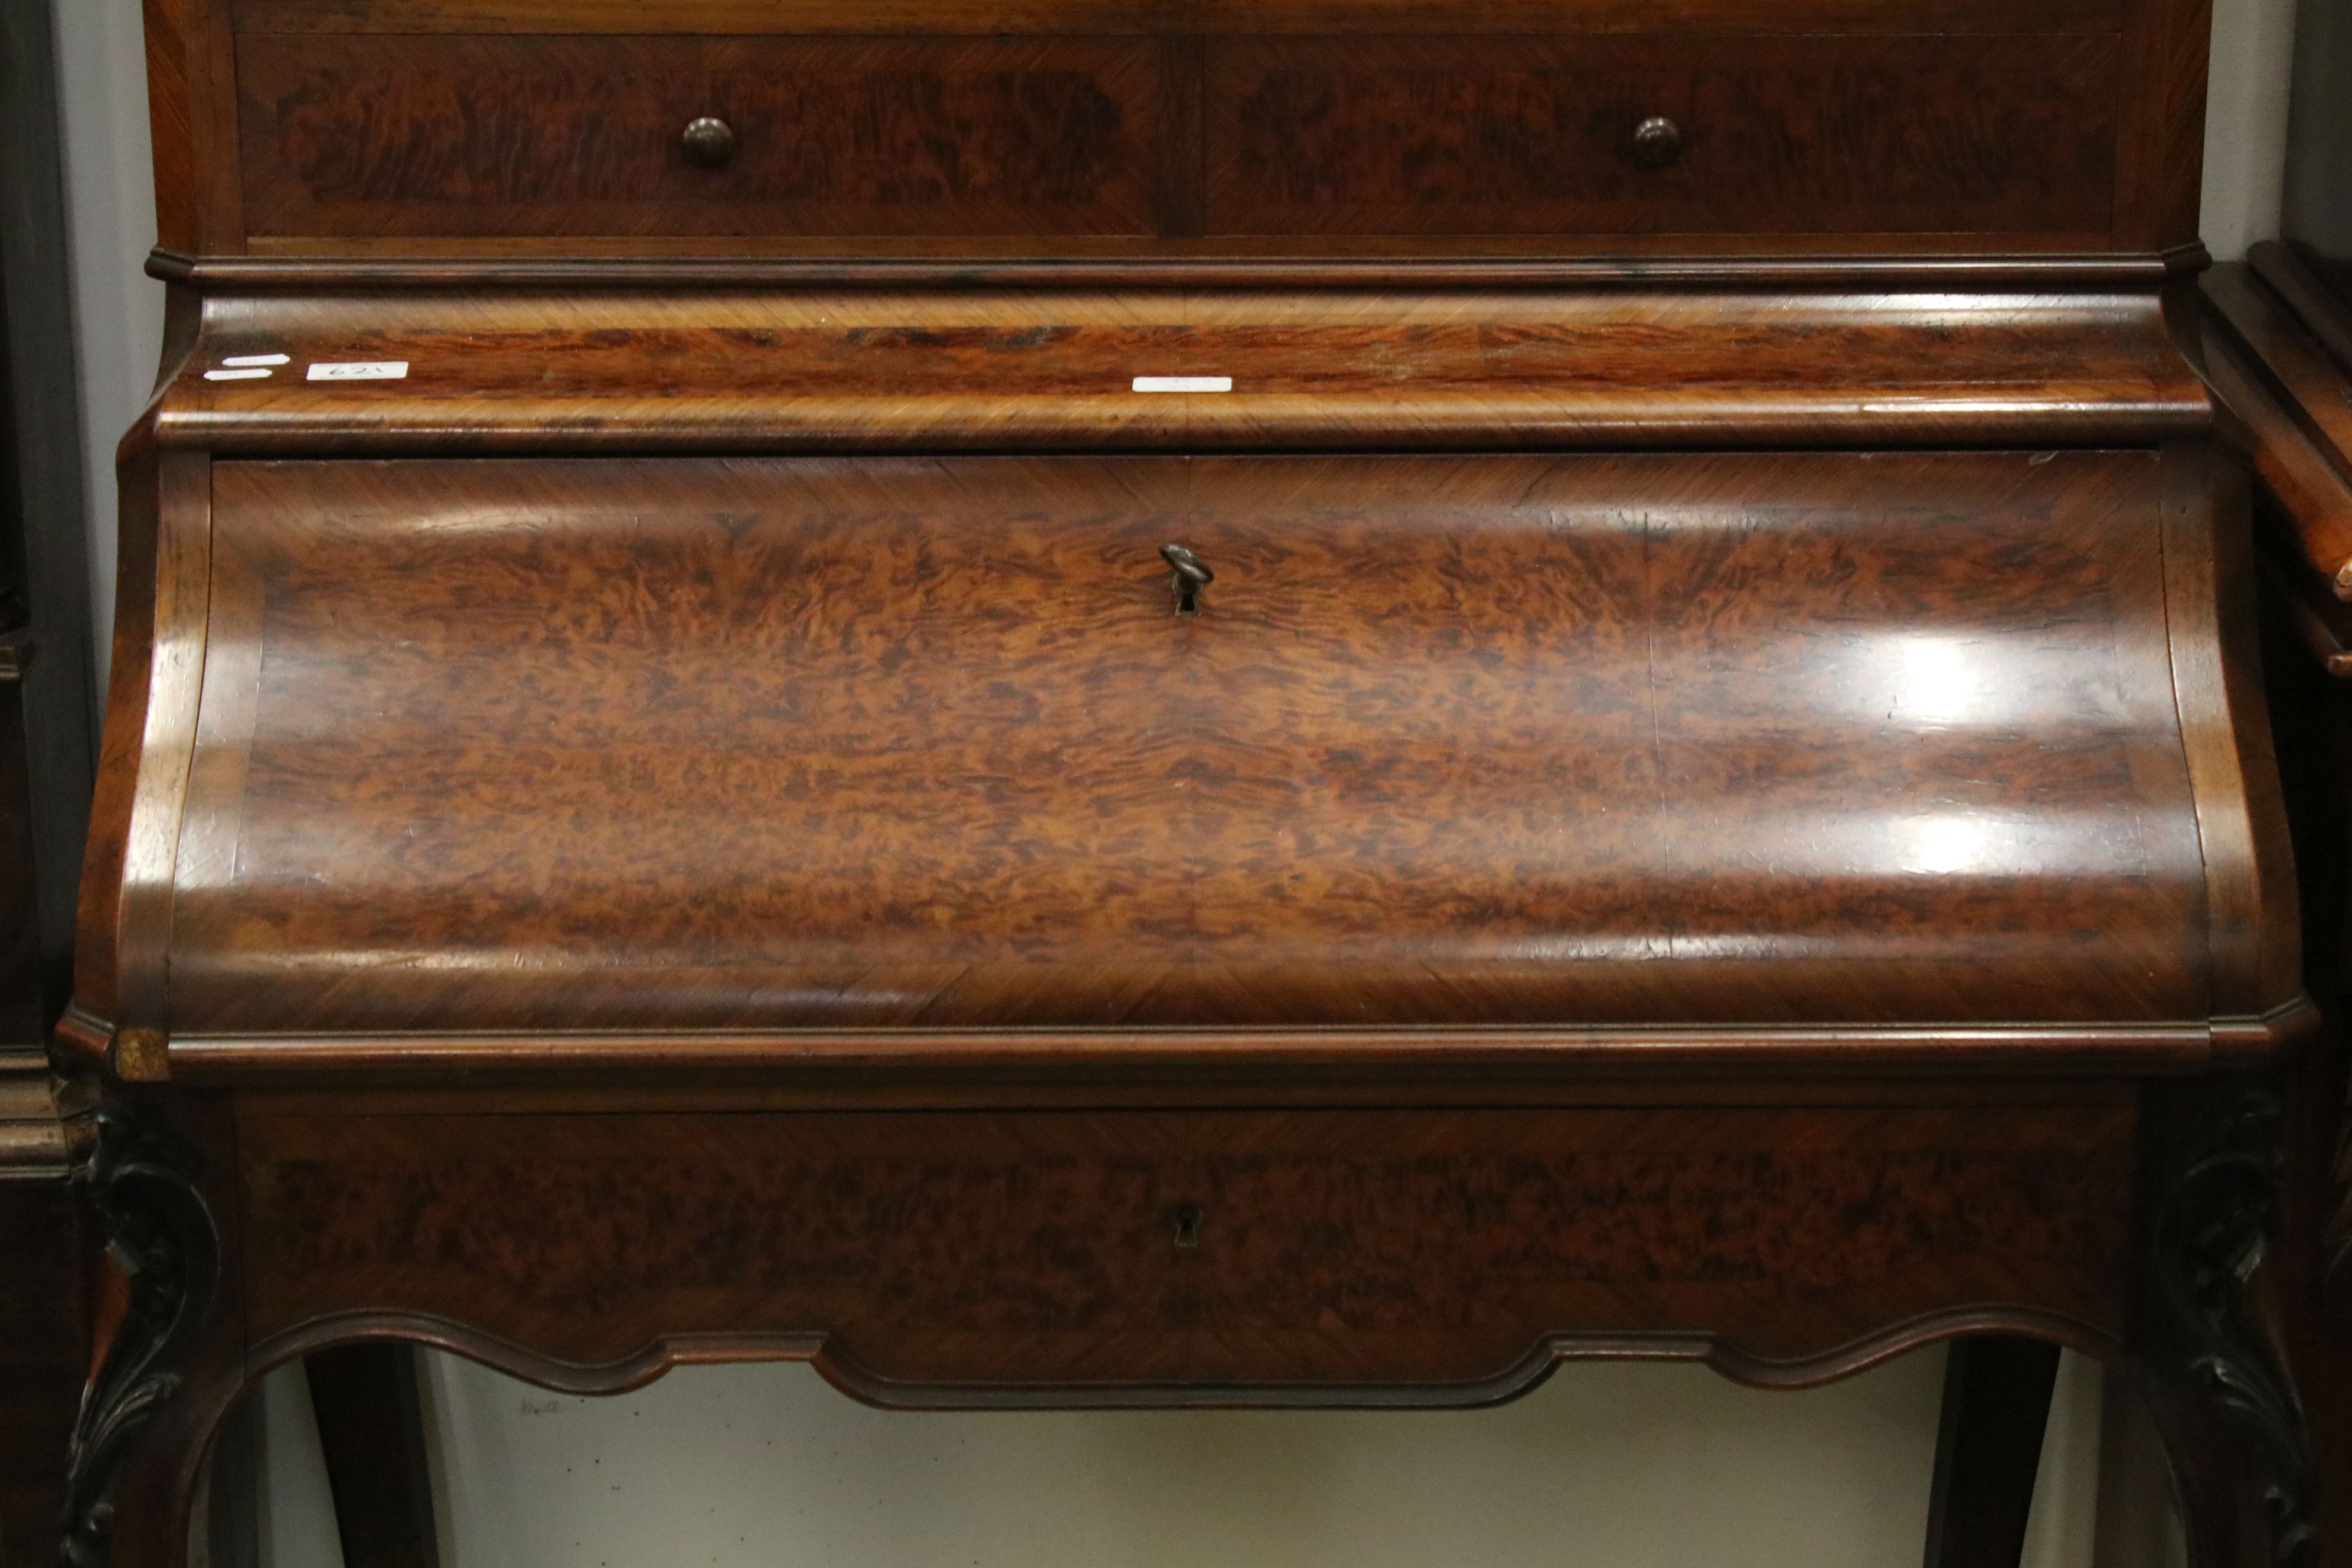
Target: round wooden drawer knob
<point x="1657" y="141"/>
<point x="709" y="142"/>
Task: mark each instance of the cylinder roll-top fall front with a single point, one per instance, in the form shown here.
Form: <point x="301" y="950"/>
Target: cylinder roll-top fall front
<point x="824" y="742"/>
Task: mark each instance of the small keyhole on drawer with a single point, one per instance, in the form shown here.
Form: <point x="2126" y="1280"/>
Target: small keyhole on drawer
<point x="1192" y="575"/>
<point x="1186" y="1219"/>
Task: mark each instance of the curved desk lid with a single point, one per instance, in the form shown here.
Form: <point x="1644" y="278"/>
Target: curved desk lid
<point x="797" y="755"/>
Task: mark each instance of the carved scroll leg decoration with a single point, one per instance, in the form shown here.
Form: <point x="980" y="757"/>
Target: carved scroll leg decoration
<point x="2209" y="1242"/>
<point x="160" y="1234"/>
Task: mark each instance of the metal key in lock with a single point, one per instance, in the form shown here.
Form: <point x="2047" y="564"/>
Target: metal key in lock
<point x="1192" y="575"/>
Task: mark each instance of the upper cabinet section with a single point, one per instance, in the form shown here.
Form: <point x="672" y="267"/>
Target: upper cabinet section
<point x="1223" y="131"/>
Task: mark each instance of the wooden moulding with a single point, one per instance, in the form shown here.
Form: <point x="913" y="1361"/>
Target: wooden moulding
<point x="1522" y="1062"/>
<point x="835" y="370"/>
<point x="2321" y="306"/>
<point x="595" y="266"/>
<point x="1149" y="17"/>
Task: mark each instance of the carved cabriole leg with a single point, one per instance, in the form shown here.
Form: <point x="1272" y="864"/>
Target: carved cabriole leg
<point x="2229" y="1414"/>
<point x="170" y="1363"/>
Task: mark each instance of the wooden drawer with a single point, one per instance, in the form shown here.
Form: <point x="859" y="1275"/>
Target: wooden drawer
<point x="1087" y="141"/>
<point x="1064" y="1255"/>
<point x="1743" y="135"/>
<point x="585" y="135"/>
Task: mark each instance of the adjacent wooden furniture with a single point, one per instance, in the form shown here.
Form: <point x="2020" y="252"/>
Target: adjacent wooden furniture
<point x="2277" y="339"/>
<point x="1299" y="703"/>
<point x="47" y="751"/>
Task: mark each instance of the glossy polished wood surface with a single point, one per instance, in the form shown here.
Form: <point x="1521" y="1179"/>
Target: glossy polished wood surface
<point x="918" y="743"/>
<point x="832" y="369"/>
<point x="2285" y="397"/>
<point x="1693" y="786"/>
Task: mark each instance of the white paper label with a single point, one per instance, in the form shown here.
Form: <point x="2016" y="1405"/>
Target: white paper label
<point x="240" y="361"/>
<point x="1183" y="383"/>
<point x="236" y="375"/>
<point x="361" y="370"/>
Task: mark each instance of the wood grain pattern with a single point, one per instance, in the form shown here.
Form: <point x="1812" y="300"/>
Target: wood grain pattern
<point x="192" y="114"/>
<point x="1533" y="134"/>
<point x="835" y="369"/>
<point x="582" y="136"/>
<point x="124" y="914"/>
<point x="2225" y="729"/>
<point x="2292" y="455"/>
<point x="169" y="102"/>
<point x="2307" y="283"/>
<point x="2160" y="165"/>
<point x="1981" y="127"/>
<point x="2278" y="343"/>
<point x="954" y="1253"/>
<point x="1713" y="808"/>
<point x="916" y="742"/>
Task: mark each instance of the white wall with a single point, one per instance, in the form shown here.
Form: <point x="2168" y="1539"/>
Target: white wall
<point x="1623" y="1465"/>
<point x="1606" y="1465"/>
<point x="2245" y="123"/>
<point x="109" y="196"/>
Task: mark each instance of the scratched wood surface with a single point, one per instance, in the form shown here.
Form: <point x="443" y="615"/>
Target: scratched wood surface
<point x="922" y="741"/>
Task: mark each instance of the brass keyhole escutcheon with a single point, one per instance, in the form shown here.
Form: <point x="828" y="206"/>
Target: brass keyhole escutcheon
<point x="1186" y="1219"/>
<point x="1192" y="575"/>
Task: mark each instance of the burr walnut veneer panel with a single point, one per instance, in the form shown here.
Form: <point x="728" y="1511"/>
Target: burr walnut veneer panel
<point x="1532" y="135"/>
<point x="359" y="136"/>
<point x="581" y="135"/>
<point x="923" y="741"/>
<point x="1176" y="136"/>
<point x="1191" y="1255"/>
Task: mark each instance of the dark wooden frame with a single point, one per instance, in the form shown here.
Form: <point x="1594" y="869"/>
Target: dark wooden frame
<point x="48" y="748"/>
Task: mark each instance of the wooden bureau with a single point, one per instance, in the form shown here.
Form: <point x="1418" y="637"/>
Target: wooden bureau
<point x="1655" y="748"/>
